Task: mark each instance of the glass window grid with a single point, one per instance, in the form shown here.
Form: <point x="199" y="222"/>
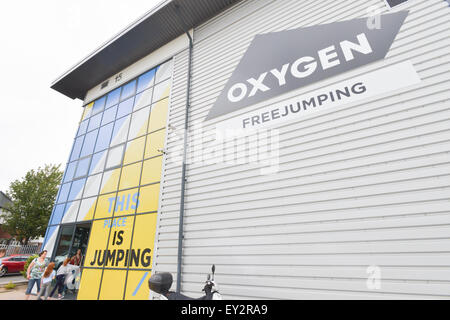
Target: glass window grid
<point x="144" y="158"/>
<point x="115" y="193"/>
<point x="139" y="187"/>
<point x="116" y="120"/>
<point x="154" y="83"/>
<point x="102" y="113"/>
<point x="134" y="214"/>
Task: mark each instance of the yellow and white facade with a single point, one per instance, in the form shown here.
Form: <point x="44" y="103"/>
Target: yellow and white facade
<point x="112" y="185"/>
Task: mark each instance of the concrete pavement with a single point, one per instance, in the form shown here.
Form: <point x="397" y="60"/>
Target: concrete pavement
<point x="15" y="294"/>
<point x="14" y="278"/>
<point x="18" y="293"/>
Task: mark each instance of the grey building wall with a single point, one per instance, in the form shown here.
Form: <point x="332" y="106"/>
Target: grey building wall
<point x="362" y="190"/>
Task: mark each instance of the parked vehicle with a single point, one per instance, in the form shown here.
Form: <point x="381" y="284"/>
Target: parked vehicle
<point x="161" y="283"/>
<point x="12" y="264"/>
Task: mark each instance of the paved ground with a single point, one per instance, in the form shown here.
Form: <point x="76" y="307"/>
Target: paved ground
<point x="15" y="294"/>
<point x="14" y="278"/>
<point x="18" y="293"/>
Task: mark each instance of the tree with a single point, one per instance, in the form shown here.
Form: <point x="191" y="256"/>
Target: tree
<point x="32" y="201"/>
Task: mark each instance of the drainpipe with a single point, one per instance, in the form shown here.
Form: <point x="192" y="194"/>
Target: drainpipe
<point x="183" y="174"/>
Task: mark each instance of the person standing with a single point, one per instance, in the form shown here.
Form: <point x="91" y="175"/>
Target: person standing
<point x="76" y="259"/>
<point x="60" y="278"/>
<point x="46" y="281"/>
<point x="34" y="273"/>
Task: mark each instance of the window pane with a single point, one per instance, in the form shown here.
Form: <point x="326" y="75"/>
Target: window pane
<point x="109" y="115"/>
<point x="104" y="137"/>
<point x="50" y="236"/>
<point x="87" y="111"/>
<point x="130" y="176"/>
<point x="143" y="99"/>
<point x="89" y="143"/>
<point x="128" y="90"/>
<point x="99" y="105"/>
<point x="95" y="121"/>
<point x="161" y="91"/>
<point x="83" y="166"/>
<point x="71" y="212"/>
<point x="113" y="98"/>
<point x="58" y="214"/>
<point x="155" y="142"/>
<point x="134" y="151"/>
<point x="120" y="131"/>
<point x="76" y="190"/>
<point x="83" y="127"/>
<point x="98" y="163"/>
<point x="76" y="148"/>
<point x="87" y="208"/>
<point x="158" y="115"/>
<point x="126" y="202"/>
<point x="70" y="170"/>
<point x="63" y="193"/>
<point x="110" y="180"/>
<point x="92" y="186"/>
<point x="139" y="123"/>
<point x="125" y="107"/>
<point x="115" y="157"/>
<point x="62" y="248"/>
<point x="151" y="171"/>
<point x="149" y="198"/>
<point x="164" y="71"/>
<point x="146" y="80"/>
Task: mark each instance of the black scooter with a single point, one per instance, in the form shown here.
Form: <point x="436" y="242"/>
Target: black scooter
<point x="161" y="283"/>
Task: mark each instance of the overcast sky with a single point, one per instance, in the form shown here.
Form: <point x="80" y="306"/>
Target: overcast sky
<point x="40" y="40"/>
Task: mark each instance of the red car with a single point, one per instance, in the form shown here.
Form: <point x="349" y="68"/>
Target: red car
<point x="12" y="264"/>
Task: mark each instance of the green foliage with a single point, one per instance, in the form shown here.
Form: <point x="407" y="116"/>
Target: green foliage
<point x="10" y="286"/>
<point x="32" y="201"/>
<point x="27" y="263"/>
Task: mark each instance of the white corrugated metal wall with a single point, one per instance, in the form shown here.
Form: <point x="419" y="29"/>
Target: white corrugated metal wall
<point x="366" y="184"/>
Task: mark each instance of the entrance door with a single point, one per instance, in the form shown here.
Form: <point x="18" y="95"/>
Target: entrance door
<point x="72" y="237"/>
<point x="63" y="245"/>
<point x="80" y="240"/>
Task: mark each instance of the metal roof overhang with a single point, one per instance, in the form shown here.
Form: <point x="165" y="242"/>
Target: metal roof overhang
<point x="156" y="28"/>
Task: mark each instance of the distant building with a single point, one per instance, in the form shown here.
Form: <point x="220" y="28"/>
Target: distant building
<point x="4" y="201"/>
